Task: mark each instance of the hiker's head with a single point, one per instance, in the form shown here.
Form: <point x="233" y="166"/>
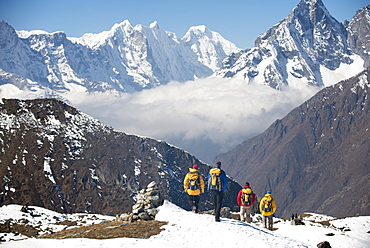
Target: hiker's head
<point x="268" y="192"/>
<point x="218" y="164"/>
<point x="195" y="167"/>
<point x="246" y="184"/>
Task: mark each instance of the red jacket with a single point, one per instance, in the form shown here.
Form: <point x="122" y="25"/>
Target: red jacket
<point x="239" y="200"/>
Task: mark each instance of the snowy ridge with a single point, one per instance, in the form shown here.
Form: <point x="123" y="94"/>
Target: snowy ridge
<point x="186" y="229"/>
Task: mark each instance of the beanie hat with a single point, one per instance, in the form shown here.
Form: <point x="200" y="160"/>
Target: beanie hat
<point x="195" y="167"/>
<point x="268" y="192"/>
<point x="246" y="184"/>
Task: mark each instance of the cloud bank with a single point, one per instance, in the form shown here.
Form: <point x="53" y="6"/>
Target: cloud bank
<point x="205" y="117"/>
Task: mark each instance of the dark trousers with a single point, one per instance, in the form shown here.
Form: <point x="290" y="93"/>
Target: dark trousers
<point x="267" y="222"/>
<point x="194" y="202"/>
<point x="217" y="197"/>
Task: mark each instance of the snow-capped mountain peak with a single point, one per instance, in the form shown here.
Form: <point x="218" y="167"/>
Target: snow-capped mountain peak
<point x="305" y="48"/>
<point x="154" y="25"/>
<point x="206" y="44"/>
<point x="94" y="41"/>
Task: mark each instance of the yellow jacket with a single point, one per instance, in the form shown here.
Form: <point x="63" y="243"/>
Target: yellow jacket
<point x="268" y="197"/>
<point x="193" y="174"/>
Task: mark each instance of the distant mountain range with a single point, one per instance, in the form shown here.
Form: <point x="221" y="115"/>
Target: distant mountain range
<point x="123" y="59"/>
<point x="56" y="157"/>
<point x="317" y="158"/>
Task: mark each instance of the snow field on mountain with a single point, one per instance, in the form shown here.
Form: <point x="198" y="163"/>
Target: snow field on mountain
<point x="187" y="230"/>
<point x="345" y="71"/>
<point x="202" y="230"/>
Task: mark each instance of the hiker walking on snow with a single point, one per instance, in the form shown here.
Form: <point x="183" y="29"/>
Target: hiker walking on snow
<point x="267" y="209"/>
<point x="194" y="186"/>
<point x="217" y="185"/>
<point x="246" y="199"/>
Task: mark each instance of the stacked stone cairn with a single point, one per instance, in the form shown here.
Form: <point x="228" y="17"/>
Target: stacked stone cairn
<point x="146" y="205"/>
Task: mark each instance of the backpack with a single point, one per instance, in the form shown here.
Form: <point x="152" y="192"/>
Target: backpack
<point x="193" y="181"/>
<point x="215" y="182"/>
<point x="267" y="205"/>
<point x="246" y="197"/>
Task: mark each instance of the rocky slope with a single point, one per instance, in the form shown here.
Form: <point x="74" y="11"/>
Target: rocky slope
<point x="56" y="157"/>
<point x="317" y="157"/>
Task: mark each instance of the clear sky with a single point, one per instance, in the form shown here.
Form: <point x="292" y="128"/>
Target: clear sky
<point x="239" y="21"/>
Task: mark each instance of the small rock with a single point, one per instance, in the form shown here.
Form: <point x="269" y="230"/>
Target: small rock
<point x="324" y="244"/>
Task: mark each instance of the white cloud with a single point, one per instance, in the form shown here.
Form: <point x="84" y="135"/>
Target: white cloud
<point x="204" y="117"/>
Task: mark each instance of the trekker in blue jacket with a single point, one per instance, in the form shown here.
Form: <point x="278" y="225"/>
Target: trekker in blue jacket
<point x="217" y="185"/>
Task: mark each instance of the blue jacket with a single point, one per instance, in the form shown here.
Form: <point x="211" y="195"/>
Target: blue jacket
<point x="223" y="180"/>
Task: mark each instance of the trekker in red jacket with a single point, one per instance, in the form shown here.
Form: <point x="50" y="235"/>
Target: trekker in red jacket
<point x="246" y="199"/>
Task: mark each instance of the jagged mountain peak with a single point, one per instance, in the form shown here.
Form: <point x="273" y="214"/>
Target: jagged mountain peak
<point x="8" y="35"/>
<point x="316" y="9"/>
<point x="124" y="26"/>
<point x="312" y="28"/>
<point x="154" y="25"/>
<point x="206" y="43"/>
<point x="94" y="41"/>
<point x="305" y="48"/>
<point x="200" y="29"/>
<point x="202" y="32"/>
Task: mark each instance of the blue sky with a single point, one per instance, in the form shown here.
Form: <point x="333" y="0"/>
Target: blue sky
<point x="239" y="21"/>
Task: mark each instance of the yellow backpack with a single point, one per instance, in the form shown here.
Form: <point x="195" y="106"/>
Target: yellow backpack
<point x="215" y="182"/>
<point x="267" y="205"/>
<point x="246" y="197"/>
<point x="193" y="181"/>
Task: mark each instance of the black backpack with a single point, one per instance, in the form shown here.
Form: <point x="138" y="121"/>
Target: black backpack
<point x="246" y="197"/>
<point x="194" y="181"/>
<point x="267" y="205"/>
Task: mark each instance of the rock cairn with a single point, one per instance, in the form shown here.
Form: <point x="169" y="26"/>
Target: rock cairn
<point x="146" y="205"/>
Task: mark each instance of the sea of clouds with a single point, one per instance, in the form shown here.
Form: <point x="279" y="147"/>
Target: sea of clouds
<point x="204" y="117"/>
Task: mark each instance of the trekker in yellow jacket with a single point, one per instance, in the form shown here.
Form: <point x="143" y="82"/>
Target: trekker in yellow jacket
<point x="194" y="186"/>
<point x="267" y="209"/>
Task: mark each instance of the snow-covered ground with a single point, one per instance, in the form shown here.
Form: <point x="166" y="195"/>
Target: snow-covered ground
<point x="187" y="229"/>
